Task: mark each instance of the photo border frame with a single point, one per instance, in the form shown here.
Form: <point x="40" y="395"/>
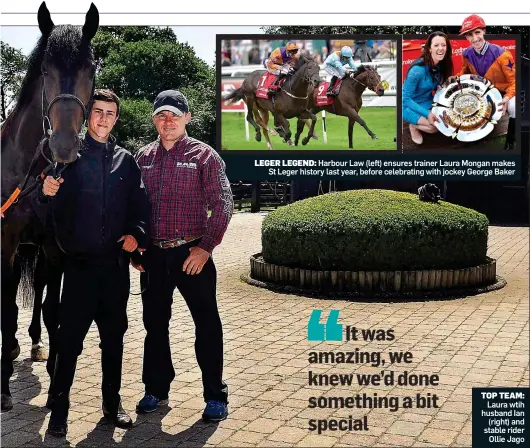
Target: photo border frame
<point x="309" y="152"/>
<point x="518" y="121"/>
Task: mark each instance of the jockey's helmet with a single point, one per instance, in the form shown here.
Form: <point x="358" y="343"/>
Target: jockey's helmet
<point x="291" y="47"/>
<point x="472" y="23"/>
<point x="346" y="52"/>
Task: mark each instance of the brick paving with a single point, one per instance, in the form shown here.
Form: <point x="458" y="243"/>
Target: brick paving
<point x="476" y="341"/>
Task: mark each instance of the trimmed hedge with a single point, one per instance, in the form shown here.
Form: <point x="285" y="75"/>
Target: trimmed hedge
<point x="374" y="230"/>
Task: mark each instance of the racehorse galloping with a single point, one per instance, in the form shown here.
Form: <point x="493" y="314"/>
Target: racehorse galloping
<point x="53" y="103"/>
<point x="290" y="101"/>
<point x="348" y="102"/>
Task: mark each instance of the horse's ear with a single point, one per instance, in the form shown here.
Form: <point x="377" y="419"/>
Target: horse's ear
<point x="90" y="28"/>
<point x="45" y="21"/>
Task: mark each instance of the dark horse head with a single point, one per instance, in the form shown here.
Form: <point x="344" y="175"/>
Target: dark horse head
<point x="369" y="77"/>
<point x="65" y="61"/>
<point x="307" y="68"/>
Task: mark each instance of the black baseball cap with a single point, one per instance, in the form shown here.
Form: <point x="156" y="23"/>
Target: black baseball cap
<point x="171" y="100"/>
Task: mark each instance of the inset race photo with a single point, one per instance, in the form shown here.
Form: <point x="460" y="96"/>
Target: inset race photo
<point x="319" y="93"/>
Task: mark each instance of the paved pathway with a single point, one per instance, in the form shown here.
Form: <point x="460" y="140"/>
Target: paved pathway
<point x="477" y="341"/>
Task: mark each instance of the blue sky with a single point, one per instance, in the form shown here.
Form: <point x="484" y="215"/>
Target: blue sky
<point x="201" y="38"/>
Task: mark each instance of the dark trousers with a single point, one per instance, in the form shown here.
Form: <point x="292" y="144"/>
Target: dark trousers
<point x="9" y="318"/>
<point x="92" y="291"/>
<point x="164" y="274"/>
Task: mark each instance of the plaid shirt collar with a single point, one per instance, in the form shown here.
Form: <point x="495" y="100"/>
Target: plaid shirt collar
<point x="176" y="145"/>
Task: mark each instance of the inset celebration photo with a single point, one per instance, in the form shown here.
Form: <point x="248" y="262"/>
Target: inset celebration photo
<point x="319" y="92"/>
<point x="460" y="91"/>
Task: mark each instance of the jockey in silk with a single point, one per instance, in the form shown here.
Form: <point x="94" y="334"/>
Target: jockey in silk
<point x="281" y="62"/>
<point x="492" y="62"/>
<point x="334" y="65"/>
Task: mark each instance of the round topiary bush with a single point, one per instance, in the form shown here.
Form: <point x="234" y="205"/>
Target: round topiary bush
<point x="377" y="230"/>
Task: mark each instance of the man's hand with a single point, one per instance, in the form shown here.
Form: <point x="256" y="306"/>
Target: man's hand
<point x="431" y="118"/>
<point x="51" y="186"/>
<point x="195" y="261"/>
<point x="503" y="105"/>
<point x="138" y="267"/>
<point x="130" y="244"/>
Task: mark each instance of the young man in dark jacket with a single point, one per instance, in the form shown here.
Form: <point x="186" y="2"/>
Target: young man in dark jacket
<point x="98" y="208"/>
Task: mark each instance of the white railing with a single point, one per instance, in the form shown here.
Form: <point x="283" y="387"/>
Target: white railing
<point x="388" y="72"/>
<point x="240" y="71"/>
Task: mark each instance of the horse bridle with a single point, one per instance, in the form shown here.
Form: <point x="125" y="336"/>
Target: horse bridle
<point x="363" y="84"/>
<point x="22" y="189"/>
<point x="308" y="79"/>
<point x="62" y="96"/>
<point x="46" y="118"/>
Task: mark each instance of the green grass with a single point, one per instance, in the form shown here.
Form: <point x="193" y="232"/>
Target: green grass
<point x="381" y="121"/>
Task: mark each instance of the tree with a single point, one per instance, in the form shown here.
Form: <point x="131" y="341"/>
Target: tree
<point x="138" y="63"/>
<point x="422" y="29"/>
<point x="135" y="127"/>
<point x="110" y="38"/>
<point x="143" y="69"/>
<point x="13" y="69"/>
<point x="201" y="99"/>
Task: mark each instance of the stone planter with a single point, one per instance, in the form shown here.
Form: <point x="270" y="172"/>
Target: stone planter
<point x="367" y="283"/>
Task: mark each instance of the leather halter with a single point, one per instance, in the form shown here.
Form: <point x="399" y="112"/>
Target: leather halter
<point x="46" y="111"/>
<point x="22" y="190"/>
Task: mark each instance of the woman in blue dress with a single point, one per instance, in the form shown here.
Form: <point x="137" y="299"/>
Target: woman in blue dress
<point x="424" y="77"/>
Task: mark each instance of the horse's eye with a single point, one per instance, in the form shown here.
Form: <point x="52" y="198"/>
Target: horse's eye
<point x="43" y="70"/>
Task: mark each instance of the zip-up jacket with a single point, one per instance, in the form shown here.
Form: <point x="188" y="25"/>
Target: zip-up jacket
<point x="101" y="199"/>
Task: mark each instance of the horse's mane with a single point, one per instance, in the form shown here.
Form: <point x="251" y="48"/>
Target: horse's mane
<point x="360" y="69"/>
<point x="66" y="48"/>
<point x="303" y="60"/>
<point x="26" y="89"/>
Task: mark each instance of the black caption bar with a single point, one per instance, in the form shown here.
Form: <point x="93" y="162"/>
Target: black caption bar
<point x="500" y="416"/>
<point x="384" y="166"/>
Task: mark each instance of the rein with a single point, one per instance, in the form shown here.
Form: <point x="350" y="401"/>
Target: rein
<point x="308" y="80"/>
<point x="294" y="96"/>
<point x="21" y="190"/>
<point x="363" y="84"/>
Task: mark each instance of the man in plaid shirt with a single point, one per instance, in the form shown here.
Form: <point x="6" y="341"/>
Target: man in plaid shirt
<point x="184" y="179"/>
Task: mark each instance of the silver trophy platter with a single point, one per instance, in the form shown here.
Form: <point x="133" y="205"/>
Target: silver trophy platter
<point x="467" y="108"/>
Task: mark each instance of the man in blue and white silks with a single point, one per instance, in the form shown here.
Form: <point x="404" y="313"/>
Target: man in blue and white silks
<point x="334" y="65"/>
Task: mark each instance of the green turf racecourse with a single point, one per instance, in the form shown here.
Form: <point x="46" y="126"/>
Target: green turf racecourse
<point x="381" y="120"/>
